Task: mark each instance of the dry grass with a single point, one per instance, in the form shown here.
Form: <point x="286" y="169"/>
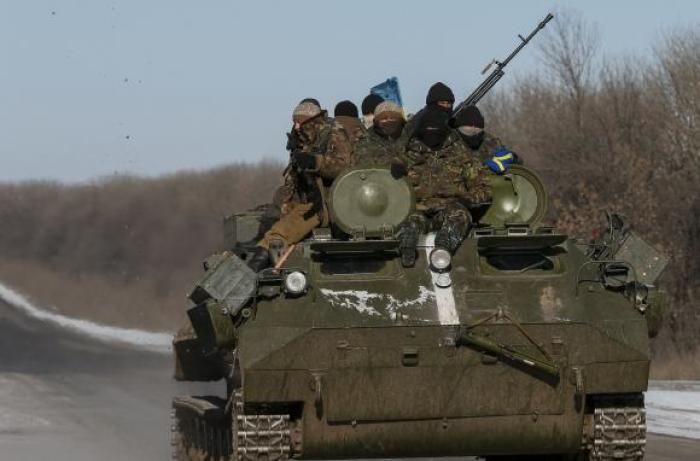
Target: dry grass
<point x="676" y="365"/>
<point x="124" y="250"/>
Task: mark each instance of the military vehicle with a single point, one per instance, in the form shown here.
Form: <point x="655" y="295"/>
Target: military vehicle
<point x="525" y="342"/>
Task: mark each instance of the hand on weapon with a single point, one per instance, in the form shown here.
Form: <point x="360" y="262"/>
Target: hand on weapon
<point x="304" y="161"/>
<point x="398" y="170"/>
<point x="292" y="142"/>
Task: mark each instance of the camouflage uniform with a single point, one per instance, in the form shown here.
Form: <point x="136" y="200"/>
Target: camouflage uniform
<point x="446" y="182"/>
<point x="374" y="149"/>
<point x="301" y="195"/>
<point x="450" y="174"/>
<point x="487" y="148"/>
<point x="354" y="129"/>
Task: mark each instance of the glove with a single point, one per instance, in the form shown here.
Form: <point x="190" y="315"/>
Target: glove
<point x="292" y="142"/>
<point x="398" y="170"/>
<point x="305" y="161"/>
<point x="501" y="160"/>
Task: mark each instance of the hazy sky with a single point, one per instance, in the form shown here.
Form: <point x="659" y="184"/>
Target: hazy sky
<point x="89" y="88"/>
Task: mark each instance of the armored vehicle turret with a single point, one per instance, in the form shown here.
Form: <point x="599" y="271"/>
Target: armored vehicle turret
<point x="524" y="342"/>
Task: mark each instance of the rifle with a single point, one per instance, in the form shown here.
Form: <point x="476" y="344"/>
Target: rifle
<point x="498" y="72"/>
<point x="308" y="188"/>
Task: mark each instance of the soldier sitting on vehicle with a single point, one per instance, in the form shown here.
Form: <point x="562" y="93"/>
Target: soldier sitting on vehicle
<point x="370" y="103"/>
<point x="469" y="122"/>
<point x="380" y="146"/>
<point x="440" y="97"/>
<point x="320" y="150"/>
<point x="346" y="114"/>
<point x="447" y="179"/>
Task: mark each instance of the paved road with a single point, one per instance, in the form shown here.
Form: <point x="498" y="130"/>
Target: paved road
<point x="65" y="398"/>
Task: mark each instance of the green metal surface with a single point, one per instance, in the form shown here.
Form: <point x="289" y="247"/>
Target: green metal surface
<point x="518" y="197"/>
<point x="370" y="202"/>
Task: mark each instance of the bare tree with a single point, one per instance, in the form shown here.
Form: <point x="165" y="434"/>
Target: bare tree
<point x="678" y="86"/>
<point x="569" y="51"/>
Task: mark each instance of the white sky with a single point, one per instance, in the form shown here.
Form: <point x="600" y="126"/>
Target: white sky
<point x="89" y="88"/>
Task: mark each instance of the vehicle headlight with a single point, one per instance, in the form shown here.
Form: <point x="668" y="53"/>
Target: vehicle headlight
<point x="295" y="283"/>
<point x="440" y="259"/>
<point x="443" y="280"/>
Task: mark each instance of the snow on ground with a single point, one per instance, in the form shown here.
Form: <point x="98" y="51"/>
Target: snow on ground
<point x="18" y="412"/>
<point x="673" y="408"/>
<point x="159" y="342"/>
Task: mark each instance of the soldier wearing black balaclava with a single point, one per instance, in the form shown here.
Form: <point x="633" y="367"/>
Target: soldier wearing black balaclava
<point x="440" y="97"/>
<point x="447" y="179"/>
<point x="487" y="147"/>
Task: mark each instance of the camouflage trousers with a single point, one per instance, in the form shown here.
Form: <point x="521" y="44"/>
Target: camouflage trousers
<point x="296" y="222"/>
<point x="451" y="225"/>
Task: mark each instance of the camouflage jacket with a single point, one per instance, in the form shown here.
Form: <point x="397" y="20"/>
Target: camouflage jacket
<point x="487" y="148"/>
<point x="376" y="150"/>
<point x="354" y="129"/>
<point x="450" y="174"/>
<point x="333" y="152"/>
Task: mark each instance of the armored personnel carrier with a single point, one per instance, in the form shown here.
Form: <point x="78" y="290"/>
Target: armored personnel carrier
<point x="525" y="342"/>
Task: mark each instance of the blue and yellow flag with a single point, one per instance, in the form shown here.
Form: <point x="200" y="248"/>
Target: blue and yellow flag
<point x="389" y="91"/>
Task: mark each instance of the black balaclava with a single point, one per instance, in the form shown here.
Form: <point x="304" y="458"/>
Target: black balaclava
<point x="432" y="129"/>
<point x="470" y="124"/>
<point x="439" y="92"/>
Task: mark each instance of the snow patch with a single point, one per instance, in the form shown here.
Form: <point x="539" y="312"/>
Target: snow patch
<point x="673" y="408"/>
<point x="362" y="300"/>
<point x="18" y="413"/>
<point x="157" y="342"/>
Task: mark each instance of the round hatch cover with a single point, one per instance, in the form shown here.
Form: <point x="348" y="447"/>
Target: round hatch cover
<point x="370" y="201"/>
<point x="519" y="197"/>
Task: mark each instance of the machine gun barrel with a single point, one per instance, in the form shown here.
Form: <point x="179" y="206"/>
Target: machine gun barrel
<point x="498" y="72"/>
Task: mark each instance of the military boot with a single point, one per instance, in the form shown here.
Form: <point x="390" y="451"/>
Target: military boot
<point x="456" y="223"/>
<point x="410" y="232"/>
<point x="259" y="259"/>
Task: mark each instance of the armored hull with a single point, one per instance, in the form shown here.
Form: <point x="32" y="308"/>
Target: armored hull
<point x="521" y="346"/>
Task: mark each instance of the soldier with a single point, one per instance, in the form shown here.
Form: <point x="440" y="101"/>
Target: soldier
<point x="487" y="147"/>
<point x="311" y="100"/>
<point x="447" y="180"/>
<point x="380" y="146"/>
<point x="370" y="103"/>
<point x="345" y="113"/>
<point x="320" y="151"/>
<point x="439" y="97"/>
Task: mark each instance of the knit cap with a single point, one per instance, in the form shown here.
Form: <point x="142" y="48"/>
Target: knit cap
<point x="387" y="108"/>
<point x="305" y="111"/>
